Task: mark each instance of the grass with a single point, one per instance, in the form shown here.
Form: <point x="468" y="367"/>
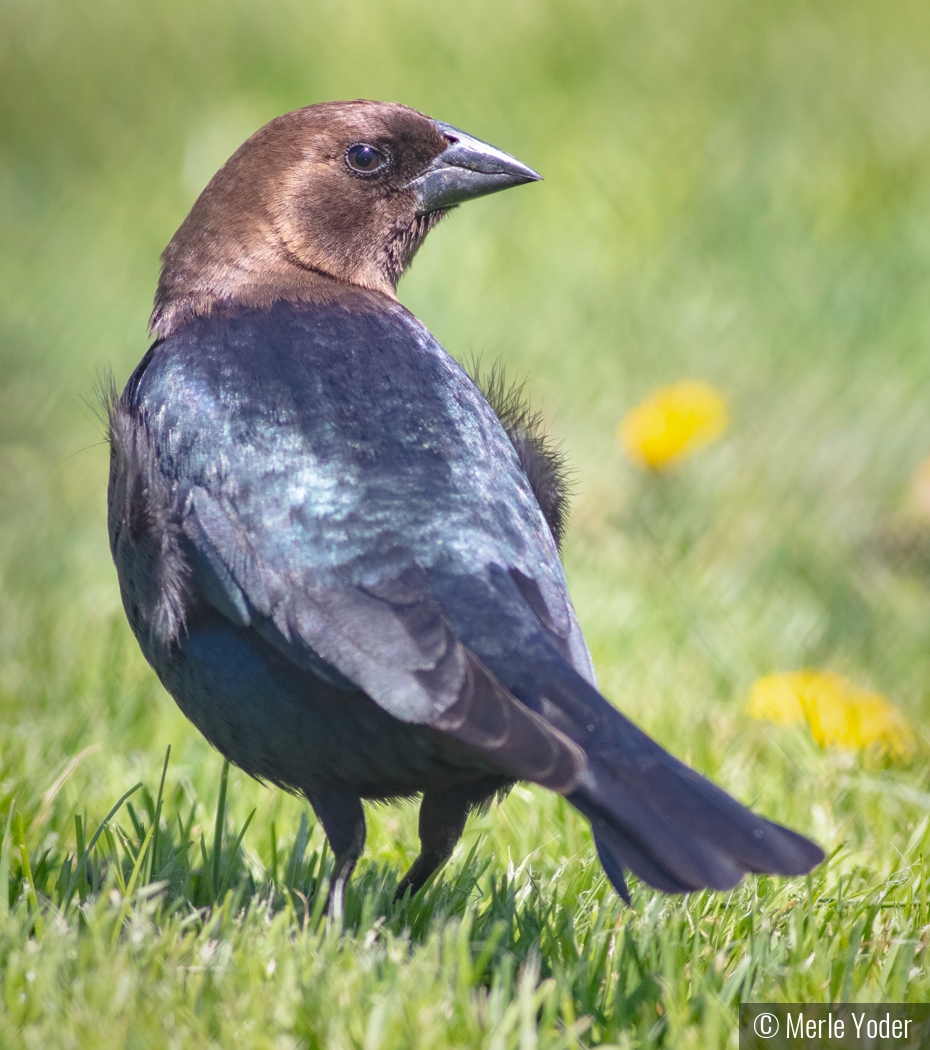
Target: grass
<point x="734" y="192"/>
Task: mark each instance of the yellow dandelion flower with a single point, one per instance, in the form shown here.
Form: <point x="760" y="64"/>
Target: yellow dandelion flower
<point x="776" y="698"/>
<point x="839" y="713"/>
<point x="673" y="423"/>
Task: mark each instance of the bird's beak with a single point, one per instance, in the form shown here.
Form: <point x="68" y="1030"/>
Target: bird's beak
<point x="465" y="169"/>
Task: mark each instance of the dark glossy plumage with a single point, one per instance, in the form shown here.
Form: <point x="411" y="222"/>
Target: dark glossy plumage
<point x="340" y="561"/>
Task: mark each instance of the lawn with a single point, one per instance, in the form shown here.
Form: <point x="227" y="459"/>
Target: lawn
<point x="735" y="192"/>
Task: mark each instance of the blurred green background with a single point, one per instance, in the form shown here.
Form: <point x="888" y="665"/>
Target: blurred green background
<point x="734" y="191"/>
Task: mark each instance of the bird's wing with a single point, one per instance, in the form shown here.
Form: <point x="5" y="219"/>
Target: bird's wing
<point x="388" y="638"/>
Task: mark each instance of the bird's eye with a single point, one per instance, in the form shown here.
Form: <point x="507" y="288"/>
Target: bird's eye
<point x="365" y="159"/>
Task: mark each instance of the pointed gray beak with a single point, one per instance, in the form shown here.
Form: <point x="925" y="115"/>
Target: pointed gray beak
<point x="465" y="169"/>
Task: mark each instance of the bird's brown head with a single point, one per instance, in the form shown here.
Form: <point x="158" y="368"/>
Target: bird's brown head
<point x="337" y="193"/>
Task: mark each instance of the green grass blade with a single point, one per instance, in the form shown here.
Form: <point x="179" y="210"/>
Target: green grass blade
<point x="82" y="863"/>
<point x="220" y="822"/>
<point x="232" y="854"/>
<point x="153" y="866"/>
<point x="5" y="863"/>
<point x="207" y="870"/>
<point x="126" y="903"/>
<point x="27" y="873"/>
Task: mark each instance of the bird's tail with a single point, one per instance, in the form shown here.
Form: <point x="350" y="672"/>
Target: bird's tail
<point x="656" y="817"/>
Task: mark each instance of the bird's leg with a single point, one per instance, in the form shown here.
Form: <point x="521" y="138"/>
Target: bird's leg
<point x="343" y="820"/>
<point x="442" y="821"/>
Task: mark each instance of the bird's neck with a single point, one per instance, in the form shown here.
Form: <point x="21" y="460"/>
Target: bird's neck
<point x="184" y="295"/>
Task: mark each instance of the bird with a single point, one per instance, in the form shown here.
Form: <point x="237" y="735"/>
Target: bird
<point x="339" y="558"/>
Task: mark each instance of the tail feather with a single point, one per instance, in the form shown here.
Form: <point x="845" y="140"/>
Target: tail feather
<point x="653" y="815"/>
<point x="614" y="865"/>
<point x="654" y="844"/>
<point x="700" y="809"/>
<point x="679" y="832"/>
<point x="618" y="855"/>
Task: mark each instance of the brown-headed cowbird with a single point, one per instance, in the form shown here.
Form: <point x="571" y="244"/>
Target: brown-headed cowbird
<point x="337" y="559"/>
